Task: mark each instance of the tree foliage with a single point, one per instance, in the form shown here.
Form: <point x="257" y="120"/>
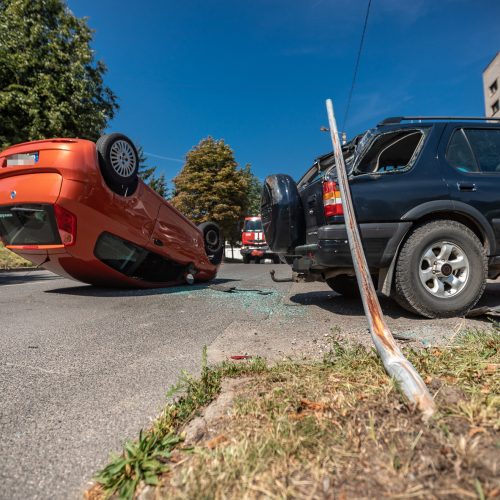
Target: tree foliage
<point x="50" y="84"/>
<point x="148" y="175"/>
<point x="254" y="192"/>
<point x="210" y="186"/>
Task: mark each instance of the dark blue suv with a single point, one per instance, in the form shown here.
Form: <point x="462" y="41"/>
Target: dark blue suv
<point x="426" y="193"/>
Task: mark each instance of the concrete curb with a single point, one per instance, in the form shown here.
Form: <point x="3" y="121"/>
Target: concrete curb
<point x="21" y="269"/>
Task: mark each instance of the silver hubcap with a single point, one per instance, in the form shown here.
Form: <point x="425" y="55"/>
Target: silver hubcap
<point x="444" y="269"/>
<point x="122" y="158"/>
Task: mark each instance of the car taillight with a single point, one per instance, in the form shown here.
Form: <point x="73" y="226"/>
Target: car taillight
<point x="331" y="199"/>
<point x="66" y="224"/>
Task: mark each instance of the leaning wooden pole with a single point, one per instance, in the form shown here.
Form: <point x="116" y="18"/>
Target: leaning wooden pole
<point x="395" y="363"/>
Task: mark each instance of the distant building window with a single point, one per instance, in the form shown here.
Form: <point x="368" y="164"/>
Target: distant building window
<point x="493" y="87"/>
<point x="495" y="107"/>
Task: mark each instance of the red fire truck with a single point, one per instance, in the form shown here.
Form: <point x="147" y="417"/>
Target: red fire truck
<point x="254" y="244"/>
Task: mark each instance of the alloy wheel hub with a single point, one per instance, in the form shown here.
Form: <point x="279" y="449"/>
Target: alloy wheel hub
<point x="444" y="269"/>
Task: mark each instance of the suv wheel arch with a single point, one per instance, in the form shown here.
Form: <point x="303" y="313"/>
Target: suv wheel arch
<point x="458" y="211"/>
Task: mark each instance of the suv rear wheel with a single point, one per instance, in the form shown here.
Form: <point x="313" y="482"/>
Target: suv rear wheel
<point x="441" y="270"/>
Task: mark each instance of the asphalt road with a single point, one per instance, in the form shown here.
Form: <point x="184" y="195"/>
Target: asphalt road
<point x="83" y="368"/>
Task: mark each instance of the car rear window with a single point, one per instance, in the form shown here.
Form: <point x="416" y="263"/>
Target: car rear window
<point x="29" y="224"/>
<point x="252" y="225"/>
<point x="134" y="261"/>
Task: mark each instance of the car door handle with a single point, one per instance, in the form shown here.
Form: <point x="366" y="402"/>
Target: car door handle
<point x="467" y="186"/>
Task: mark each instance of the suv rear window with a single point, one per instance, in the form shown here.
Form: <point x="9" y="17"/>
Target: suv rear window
<point x="135" y="261"/>
<point x="474" y="150"/>
<point x="29" y="224"/>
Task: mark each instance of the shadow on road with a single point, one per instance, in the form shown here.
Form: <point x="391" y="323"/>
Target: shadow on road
<point x="337" y="304"/>
<point x="94" y="291"/>
<point x="18" y="278"/>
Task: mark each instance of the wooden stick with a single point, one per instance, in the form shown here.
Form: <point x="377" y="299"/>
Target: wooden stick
<point x="395" y="363"/>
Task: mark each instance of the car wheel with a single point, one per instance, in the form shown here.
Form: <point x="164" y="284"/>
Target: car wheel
<point x="246" y="259"/>
<point x="257" y="260"/>
<point x="213" y="241"/>
<point x="441" y="270"/>
<point x="119" y="162"/>
<point x="276" y="259"/>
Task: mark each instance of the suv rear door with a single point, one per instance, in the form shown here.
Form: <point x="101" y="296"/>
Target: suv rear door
<point x="310" y="189"/>
<point x="471" y="158"/>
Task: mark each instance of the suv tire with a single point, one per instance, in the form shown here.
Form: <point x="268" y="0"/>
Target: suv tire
<point x="441" y="270"/>
<point x="119" y="163"/>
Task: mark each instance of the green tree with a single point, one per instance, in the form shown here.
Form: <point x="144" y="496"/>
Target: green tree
<point x="254" y="192"/>
<point x="148" y="175"/>
<point x="50" y="84"/>
<point x="210" y="186"/>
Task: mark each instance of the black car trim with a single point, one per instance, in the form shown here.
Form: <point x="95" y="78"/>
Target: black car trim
<point x="454" y="206"/>
<point x="368" y="230"/>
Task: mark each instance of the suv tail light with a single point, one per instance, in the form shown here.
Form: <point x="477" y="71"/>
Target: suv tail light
<point x="66" y="224"/>
<point x="331" y="199"/>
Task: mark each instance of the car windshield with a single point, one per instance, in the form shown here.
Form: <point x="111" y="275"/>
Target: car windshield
<point x="253" y="225"/>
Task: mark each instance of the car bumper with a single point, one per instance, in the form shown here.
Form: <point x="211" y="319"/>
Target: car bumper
<point x="256" y="251"/>
<point x="380" y="243"/>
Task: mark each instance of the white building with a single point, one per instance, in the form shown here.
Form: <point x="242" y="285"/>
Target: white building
<point x="491" y="87"/>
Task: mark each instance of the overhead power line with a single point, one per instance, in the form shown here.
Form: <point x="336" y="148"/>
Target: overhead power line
<point x="167" y="158"/>
<point x="356" y="66"/>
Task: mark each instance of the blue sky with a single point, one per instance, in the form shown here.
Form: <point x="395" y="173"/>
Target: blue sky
<point x="257" y="73"/>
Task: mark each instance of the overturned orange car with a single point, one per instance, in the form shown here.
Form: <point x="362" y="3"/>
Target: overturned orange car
<point x="80" y="209"/>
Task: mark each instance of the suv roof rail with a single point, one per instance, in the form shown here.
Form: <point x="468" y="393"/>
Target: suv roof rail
<point x="398" y="119"/>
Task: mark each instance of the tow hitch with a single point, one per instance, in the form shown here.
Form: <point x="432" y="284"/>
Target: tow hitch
<point x="279" y="280"/>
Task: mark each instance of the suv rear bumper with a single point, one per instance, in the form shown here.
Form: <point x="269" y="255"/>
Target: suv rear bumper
<point x="380" y="243"/>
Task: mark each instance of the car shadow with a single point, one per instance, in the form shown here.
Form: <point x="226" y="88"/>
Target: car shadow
<point x="20" y="277"/>
<point x="94" y="291"/>
<point x="344" y="306"/>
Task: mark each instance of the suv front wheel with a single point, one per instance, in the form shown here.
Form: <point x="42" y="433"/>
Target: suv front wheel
<point x="441" y="270"/>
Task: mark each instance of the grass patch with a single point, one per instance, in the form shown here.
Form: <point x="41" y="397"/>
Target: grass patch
<point x="337" y="428"/>
<point x="9" y="260"/>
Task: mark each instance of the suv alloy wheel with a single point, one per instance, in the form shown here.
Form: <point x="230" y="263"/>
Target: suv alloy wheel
<point x="441" y="270"/>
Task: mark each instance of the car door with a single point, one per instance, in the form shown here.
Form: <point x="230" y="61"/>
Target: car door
<point x="471" y="158"/>
<point x="310" y="189"/>
<point x="177" y="238"/>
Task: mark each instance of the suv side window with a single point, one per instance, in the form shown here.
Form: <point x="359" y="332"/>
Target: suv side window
<point x="391" y="152"/>
<point x="486" y="146"/>
<point x="459" y="153"/>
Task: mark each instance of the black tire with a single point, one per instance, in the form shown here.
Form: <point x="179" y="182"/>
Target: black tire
<point x="276" y="259"/>
<point x="347" y="285"/>
<point x="282" y="214"/>
<point x="119" y="162"/>
<point x="418" y="296"/>
<point x="213" y="241"/>
<point x="257" y="260"/>
<point x="246" y="259"/>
